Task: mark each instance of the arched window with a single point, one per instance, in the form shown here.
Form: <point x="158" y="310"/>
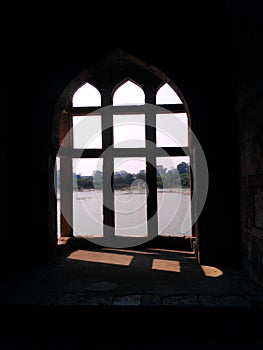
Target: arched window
<point x="125" y="167"/>
<point x="128" y="94"/>
<point x="167" y="95"/>
<point x="86" y="96"/>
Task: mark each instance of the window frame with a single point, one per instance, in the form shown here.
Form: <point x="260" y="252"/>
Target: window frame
<point x="150" y="85"/>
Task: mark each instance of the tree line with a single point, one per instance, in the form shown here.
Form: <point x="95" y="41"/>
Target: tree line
<point x="178" y="177"/>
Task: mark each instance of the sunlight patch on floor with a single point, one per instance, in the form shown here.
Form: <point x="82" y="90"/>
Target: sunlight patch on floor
<point x="104" y="258"/>
<point x="211" y="271"/>
<point x="166" y="265"/>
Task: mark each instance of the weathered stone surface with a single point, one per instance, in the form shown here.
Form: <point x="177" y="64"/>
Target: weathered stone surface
<point x="255" y="300"/>
<point x="259" y="208"/>
<point x="101" y="286"/>
<point x="209" y="301"/>
<point x="181" y="300"/>
<point x="174" y="300"/>
<point x="67" y="299"/>
<point x="151" y="299"/>
<point x="234" y="301"/>
<point x="251" y="170"/>
<point x="96" y="300"/>
<point x="127" y="300"/>
<point x="250" y="288"/>
<point x="190" y="300"/>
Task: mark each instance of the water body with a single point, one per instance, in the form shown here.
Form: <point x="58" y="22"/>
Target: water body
<point x="174" y="213"/>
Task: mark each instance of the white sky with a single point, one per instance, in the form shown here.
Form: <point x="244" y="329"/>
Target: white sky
<point x="129" y="131"/>
<point x="171" y="162"/>
<point x="131" y="165"/>
<point x="86" y="166"/>
<point x="171" y="129"/>
<point x="80" y="97"/>
<point x="128" y="94"/>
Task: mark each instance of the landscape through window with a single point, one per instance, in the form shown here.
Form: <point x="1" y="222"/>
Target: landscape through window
<point x="131" y="178"/>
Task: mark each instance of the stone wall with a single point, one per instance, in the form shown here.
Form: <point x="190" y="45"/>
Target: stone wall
<point x="251" y="186"/>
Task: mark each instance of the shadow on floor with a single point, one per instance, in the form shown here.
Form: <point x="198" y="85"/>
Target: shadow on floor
<point x="143" y="298"/>
<point x="135" y="277"/>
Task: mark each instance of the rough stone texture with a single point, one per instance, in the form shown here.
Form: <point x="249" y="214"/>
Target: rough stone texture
<point x="255" y="300"/>
<point x="254" y="263"/>
<point x="251" y="186"/>
<point x="127" y="300"/>
<point x="234" y="301"/>
<point x="173" y="300"/>
<point x="72" y="282"/>
<point x="182" y="300"/>
<point x="67" y="299"/>
<point x="95" y="300"/>
<point x="101" y="286"/>
<point x="259" y="209"/>
<point x="209" y="301"/>
<point x="151" y="299"/>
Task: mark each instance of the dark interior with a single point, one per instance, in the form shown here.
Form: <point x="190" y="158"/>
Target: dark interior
<point x="216" y="62"/>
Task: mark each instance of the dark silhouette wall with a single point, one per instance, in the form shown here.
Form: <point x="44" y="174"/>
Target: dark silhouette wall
<point x="248" y="33"/>
<point x="215" y="61"/>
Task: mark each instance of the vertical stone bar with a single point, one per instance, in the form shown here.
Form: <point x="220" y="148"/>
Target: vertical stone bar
<point x="107" y="144"/>
<point x="66" y="197"/>
<point x="66" y="186"/>
<point x="151" y="175"/>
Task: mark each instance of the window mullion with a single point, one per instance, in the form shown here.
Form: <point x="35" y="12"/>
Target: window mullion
<point x="151" y="176"/>
<point x="172" y="151"/>
<point x="173" y="108"/>
<point x="66" y="197"/>
<point x="108" y="197"/>
<point x="66" y="185"/>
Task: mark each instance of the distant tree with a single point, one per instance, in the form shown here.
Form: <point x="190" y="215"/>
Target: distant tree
<point x="160" y="169"/>
<point x="97" y="174"/>
<point x="159" y="182"/>
<point x="119" y="183"/>
<point x="141" y="176"/>
<point x="128" y="178"/>
<point x="185" y="180"/>
<point x="183" y="168"/>
<point x="174" y="178"/>
<point x="85" y="182"/>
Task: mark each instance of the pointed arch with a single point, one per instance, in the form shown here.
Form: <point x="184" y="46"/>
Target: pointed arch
<point x="126" y="82"/>
<point x="87" y="96"/>
<point x="167" y="95"/>
<point x="128" y="93"/>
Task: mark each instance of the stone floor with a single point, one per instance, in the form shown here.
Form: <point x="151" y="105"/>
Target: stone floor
<point x="138" y="277"/>
<point x="152" y="298"/>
